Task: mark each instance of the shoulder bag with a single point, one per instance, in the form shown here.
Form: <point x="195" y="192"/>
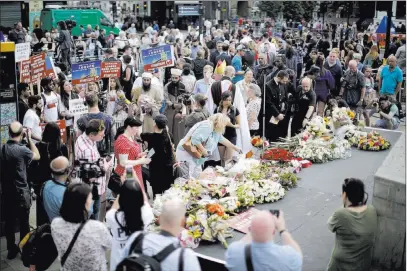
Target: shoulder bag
<point x="68" y="251"/>
<point x="190" y="148"/>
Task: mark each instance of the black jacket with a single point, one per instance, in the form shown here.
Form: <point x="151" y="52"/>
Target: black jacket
<point x="276" y="96"/>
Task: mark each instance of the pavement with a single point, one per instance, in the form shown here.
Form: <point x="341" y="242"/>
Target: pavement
<point x="306" y="208"/>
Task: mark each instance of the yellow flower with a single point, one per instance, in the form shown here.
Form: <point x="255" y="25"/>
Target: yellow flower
<point x="197" y="233"/>
<point x="371" y="143"/>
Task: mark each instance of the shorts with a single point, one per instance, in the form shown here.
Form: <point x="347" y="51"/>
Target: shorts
<point x="322" y="95"/>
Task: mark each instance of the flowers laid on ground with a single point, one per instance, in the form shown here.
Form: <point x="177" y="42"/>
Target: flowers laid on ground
<point x="351" y="114"/>
<point x="277" y="154"/>
<point x="341" y="117"/>
<point x="316" y="127"/>
<point x="211" y="200"/>
<point x="373" y="142"/>
<point x="257" y="142"/>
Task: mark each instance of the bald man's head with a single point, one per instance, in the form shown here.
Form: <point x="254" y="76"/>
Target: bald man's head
<point x="59" y="166"/>
<point x="15" y="129"/>
<point x="353" y="66"/>
<point x="392" y="61"/>
<point x="306" y="84"/>
<point x="172" y="214"/>
<point x="263" y="227"/>
<point x="230" y="71"/>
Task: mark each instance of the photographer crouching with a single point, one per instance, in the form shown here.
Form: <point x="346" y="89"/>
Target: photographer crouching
<point x="389" y="114"/>
<point x="93" y="168"/>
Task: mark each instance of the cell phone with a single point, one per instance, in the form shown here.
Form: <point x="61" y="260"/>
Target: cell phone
<point x="275" y="212"/>
<point x="129" y="172"/>
<point x="150" y="153"/>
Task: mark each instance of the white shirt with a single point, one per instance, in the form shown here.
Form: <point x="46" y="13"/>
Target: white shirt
<point x="119" y="236"/>
<point x="32" y="121"/>
<point x="50" y="106"/>
<point x="154" y="243"/>
<point x="89" y="251"/>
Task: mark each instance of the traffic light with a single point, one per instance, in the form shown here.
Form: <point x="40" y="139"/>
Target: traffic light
<point x="114" y="8"/>
<point x="145" y="6"/>
<point x="138" y="8"/>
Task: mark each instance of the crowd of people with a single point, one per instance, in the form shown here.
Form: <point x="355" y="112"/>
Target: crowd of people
<point x="164" y="123"/>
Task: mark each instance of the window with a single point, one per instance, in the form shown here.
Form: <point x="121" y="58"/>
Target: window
<point x="104" y="21"/>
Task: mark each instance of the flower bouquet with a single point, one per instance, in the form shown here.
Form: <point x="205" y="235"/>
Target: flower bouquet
<point x="267" y="191"/>
<point x="340" y="117"/>
<point x="316" y="127"/>
<point x="353" y="136"/>
<point x="277" y="154"/>
<point x="257" y="147"/>
<point x="373" y="142"/>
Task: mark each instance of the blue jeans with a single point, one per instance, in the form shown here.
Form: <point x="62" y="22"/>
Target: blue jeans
<point x="392" y="124"/>
<point x="95" y="209"/>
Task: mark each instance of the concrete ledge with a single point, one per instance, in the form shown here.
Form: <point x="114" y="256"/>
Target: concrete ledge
<point x="389" y="199"/>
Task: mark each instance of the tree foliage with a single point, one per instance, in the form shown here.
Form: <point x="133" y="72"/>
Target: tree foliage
<point x="294" y="10"/>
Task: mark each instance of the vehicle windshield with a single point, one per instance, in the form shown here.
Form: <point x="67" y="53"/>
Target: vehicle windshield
<point x="106" y="18"/>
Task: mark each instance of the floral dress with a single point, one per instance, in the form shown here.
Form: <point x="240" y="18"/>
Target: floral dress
<point x="254" y="107"/>
<point x="123" y="145"/>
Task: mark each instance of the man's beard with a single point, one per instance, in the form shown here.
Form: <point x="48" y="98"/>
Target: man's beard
<point x="146" y="87"/>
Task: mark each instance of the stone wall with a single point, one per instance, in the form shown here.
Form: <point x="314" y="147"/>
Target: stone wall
<point x="389" y="199"/>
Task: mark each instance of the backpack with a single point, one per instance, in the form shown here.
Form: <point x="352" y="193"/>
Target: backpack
<point x="402" y="114"/>
<point x="38" y="248"/>
<point x="137" y="261"/>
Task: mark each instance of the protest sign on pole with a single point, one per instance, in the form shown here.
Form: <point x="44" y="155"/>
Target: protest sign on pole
<point x="86" y="72"/>
<point x="110" y="69"/>
<point x="62" y="128"/>
<point x="25" y="72"/>
<point x="158" y="57"/>
<point x="77" y="107"/>
<point x="50" y="68"/>
<point x="37" y="67"/>
<point x="22" y="52"/>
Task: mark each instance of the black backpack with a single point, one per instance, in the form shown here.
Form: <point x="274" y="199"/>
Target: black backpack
<point x="38" y="248"/>
<point x="402" y="114"/>
<point x="137" y="261"/>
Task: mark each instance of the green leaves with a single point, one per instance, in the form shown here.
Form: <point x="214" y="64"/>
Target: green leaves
<point x="295" y="10"/>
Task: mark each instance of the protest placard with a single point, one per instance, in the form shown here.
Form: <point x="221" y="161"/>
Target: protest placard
<point x="37" y="67"/>
<point x="22" y="52"/>
<point x="242" y="221"/>
<point x="158" y="57"/>
<point x="25" y="72"/>
<point x="77" y="107"/>
<point x="86" y="72"/>
<point x="110" y="69"/>
<point x="50" y="68"/>
<point x="62" y="128"/>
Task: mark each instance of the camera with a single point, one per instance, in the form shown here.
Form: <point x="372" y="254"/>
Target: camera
<point x="185" y="98"/>
<point x="86" y="170"/>
<point x="375" y="104"/>
<point x="70" y="24"/>
<point x="102" y="97"/>
<point x="275" y="212"/>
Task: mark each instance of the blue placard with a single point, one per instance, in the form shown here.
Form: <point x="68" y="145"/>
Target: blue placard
<point x="86" y="72"/>
<point x="158" y="57"/>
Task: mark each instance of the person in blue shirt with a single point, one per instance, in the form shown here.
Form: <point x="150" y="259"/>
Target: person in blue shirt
<point x="390" y="78"/>
<point x="264" y="253"/>
<point x="237" y="64"/>
<point x="53" y="191"/>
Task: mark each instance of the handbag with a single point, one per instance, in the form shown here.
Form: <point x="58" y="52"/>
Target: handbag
<point x="192" y="149"/>
<point x="68" y="251"/>
<point x="115" y="183"/>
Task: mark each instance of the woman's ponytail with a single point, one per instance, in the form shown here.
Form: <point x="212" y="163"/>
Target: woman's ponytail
<point x="119" y="132"/>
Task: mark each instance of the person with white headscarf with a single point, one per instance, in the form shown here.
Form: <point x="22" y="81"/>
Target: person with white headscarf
<point x="214" y="97"/>
<point x="149" y="98"/>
